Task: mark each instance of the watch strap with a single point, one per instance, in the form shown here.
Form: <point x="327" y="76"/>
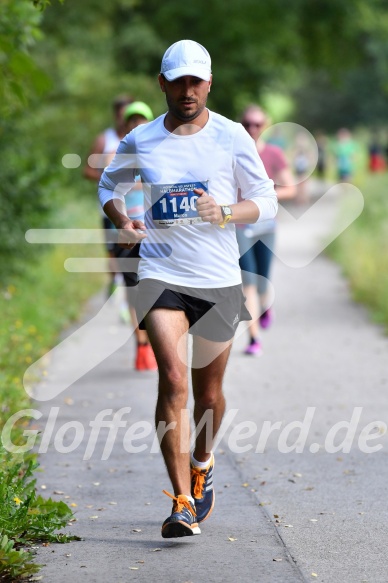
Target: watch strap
<point x="227" y="216"/>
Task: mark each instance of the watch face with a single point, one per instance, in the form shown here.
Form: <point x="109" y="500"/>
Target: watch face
<point x="227" y="210"/>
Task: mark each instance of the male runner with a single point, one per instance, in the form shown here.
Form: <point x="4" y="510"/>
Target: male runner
<point x="192" y="162"/>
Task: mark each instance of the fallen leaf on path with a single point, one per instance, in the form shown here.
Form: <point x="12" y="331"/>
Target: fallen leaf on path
<point x="297" y="475"/>
<point x="58" y="492"/>
<point x="245" y="485"/>
<point x="155" y="550"/>
<point x="73" y="505"/>
<point x="113" y="503"/>
<point x="288" y="526"/>
<point x="277" y="560"/>
<point x="134" y="568"/>
<point x="231" y="538"/>
<point x="93" y="517"/>
<point x="136" y="530"/>
<point x="313" y="520"/>
<point x="314" y="575"/>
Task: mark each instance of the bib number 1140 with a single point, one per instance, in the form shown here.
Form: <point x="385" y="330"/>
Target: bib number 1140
<point x="174" y="204"/>
<point x="183" y="204"/>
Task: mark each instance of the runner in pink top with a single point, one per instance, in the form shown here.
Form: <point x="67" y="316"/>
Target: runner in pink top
<point x="256" y="242"/>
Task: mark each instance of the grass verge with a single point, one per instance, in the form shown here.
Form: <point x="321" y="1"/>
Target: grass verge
<point x="361" y="249"/>
<point x="35" y="308"/>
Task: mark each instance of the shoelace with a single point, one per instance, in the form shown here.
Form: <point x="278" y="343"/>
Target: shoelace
<point x="180" y="502"/>
<point x="199" y="483"/>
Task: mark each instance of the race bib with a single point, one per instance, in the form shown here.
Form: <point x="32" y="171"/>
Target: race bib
<point x="174" y="204"/>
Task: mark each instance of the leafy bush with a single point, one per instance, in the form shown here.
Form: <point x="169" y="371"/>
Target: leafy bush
<point x="25" y="517"/>
<point x="24" y="198"/>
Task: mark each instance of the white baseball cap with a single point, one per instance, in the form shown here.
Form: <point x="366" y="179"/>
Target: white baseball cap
<point x="186" y="57"/>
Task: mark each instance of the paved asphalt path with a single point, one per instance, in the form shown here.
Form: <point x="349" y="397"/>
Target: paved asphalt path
<point x="280" y="516"/>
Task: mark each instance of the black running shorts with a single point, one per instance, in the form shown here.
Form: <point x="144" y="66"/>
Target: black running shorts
<point x="213" y="314"/>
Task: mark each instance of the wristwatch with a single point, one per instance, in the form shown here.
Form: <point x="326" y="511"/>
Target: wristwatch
<point x="226" y="215"/>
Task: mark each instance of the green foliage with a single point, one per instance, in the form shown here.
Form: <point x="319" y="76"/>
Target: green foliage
<point x="24" y="196"/>
<point x="15" y="563"/>
<point x="25" y="517"/>
<point x="35" y="307"/>
<point x="353" y="91"/>
<point x="357" y="99"/>
<point x="20" y="76"/>
<point x="254" y="45"/>
<point x="40" y="302"/>
<point x="24" y="171"/>
<point x="361" y="250"/>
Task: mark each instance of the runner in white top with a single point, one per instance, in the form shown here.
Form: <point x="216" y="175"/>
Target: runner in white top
<point x="192" y="163"/>
<point x="219" y="158"/>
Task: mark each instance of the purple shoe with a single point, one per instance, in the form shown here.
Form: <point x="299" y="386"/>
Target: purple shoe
<point x="254" y="348"/>
<point x="266" y="318"/>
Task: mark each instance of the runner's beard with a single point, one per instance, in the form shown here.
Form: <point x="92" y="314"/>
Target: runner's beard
<point x="180" y="114"/>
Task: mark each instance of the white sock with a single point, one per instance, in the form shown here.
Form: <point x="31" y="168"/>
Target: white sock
<point x="200" y="465"/>
<point x="188" y="497"/>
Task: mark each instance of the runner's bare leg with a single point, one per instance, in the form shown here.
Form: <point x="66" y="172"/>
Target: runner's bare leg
<point x="165" y="327"/>
<point x="207" y="390"/>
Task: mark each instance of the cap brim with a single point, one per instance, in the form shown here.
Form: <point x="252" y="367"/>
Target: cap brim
<point x="200" y="72"/>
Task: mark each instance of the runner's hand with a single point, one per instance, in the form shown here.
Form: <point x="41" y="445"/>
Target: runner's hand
<point x="208" y="209"/>
<point x="131" y="233"/>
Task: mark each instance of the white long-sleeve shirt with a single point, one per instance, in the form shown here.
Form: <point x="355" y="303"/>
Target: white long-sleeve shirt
<point x="222" y="158"/>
